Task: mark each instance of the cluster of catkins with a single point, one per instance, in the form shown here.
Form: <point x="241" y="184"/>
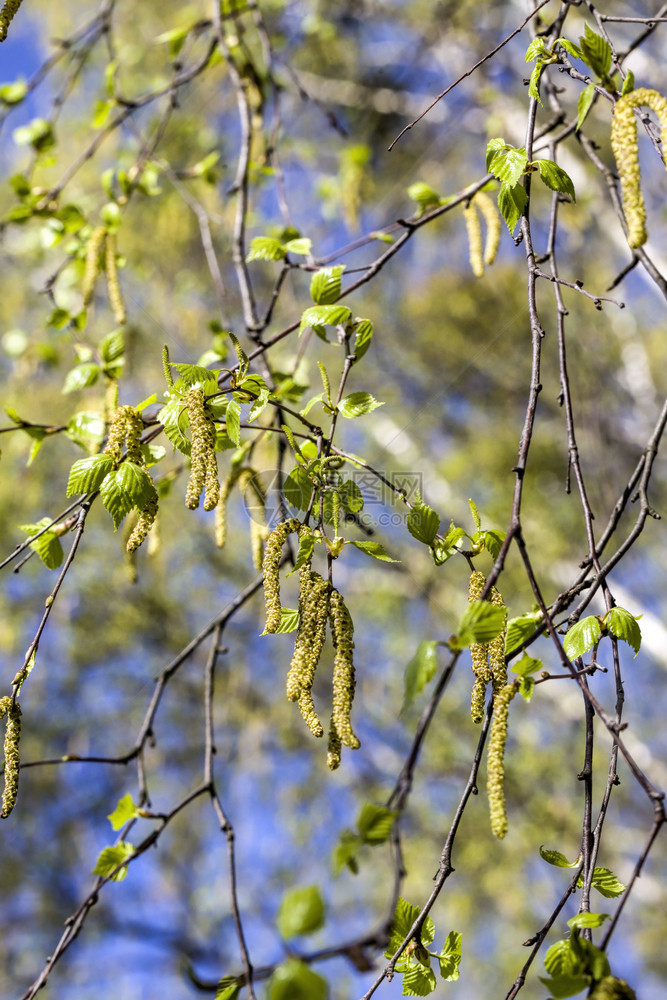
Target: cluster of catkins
<point x="489" y="667"/>
<point x="12" y="710"/>
<point x="9" y="9"/>
<point x="125" y="429"/>
<point x="626" y="152"/>
<point x="490" y="215"/>
<point x="319" y="604"/>
<point x="102" y="240"/>
<point x="204" y="464"/>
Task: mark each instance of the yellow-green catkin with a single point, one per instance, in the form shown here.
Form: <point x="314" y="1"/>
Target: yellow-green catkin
<point x="8" y="11"/>
<point x="310" y="638"/>
<point x="271" y="571"/>
<point x="496" y="760"/>
<point x="485" y="205"/>
<point x="626" y="152"/>
<point x="474" y="231"/>
<point x="12" y="761"/>
<point x="294" y="676"/>
<point x="113" y="285"/>
<point x="204" y="470"/>
<point x="491" y="217"/>
<point x="342" y="631"/>
<point x="479" y="652"/>
<point x="92" y="268"/>
<point x="125" y="428"/>
<point x="146" y="521"/>
<point x="497" y="647"/>
<point x="311" y="634"/>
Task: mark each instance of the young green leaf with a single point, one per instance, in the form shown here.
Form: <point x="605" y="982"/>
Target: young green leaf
<point x="289" y="621"/>
<point x="511" y="204"/>
<point x="195" y="375"/>
<point x="419" y="671"/>
<point x="228" y="989"/>
<point x="325" y="284"/>
<point x="555" y="178"/>
<point x="86" y="429"/>
<point x="526" y="687"/>
<point x="265" y="248"/>
<point x="47" y="546"/>
<point x="424" y="195"/>
<point x="345" y="852"/>
<point x="628" y="83"/>
<point x="586" y="98"/>
<point x="582" y="637"/>
<point x="418" y="982"/>
<point x="493" y="541"/>
<point x="233" y="421"/>
<point x="450" y="956"/>
<point x="124" y="811"/>
<point x="87" y="474"/>
<point x="80" y="377"/>
<point x="423" y="522"/>
<point x="596" y="52"/>
<point x="358" y="403"/>
<point x="112" y="346"/>
<point x="174" y="419"/>
<point x="298" y="489"/>
<point x="294" y="980"/>
<point x="582" y="920"/>
<point x="127" y="487"/>
<point x="301" y="912"/>
<point x="375" y="823"/>
<point x="363" y="332"/>
<point x="505" y="162"/>
<point x="404" y="917"/>
<point x="375" y="550"/>
<point x="320" y="316"/>
<point x="526" y="665"/>
<point x="624" y="626"/>
<point x="306" y="546"/>
<point x="534" y="81"/>
<point x="605" y="882"/>
<point x="519" y="629"/>
<point x="302" y="246"/>
<point x="570" y="47"/>
<point x="110" y="857"/>
<point x="557" y="859"/>
<point x="561" y="987"/>
<point x="480" y="622"/>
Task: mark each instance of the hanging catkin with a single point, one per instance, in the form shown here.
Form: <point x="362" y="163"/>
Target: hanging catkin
<point x="271" y="572"/>
<point x="12" y="761"/>
<point x="7" y="12"/>
<point x="496" y="760"/>
<point x="626" y="152"/>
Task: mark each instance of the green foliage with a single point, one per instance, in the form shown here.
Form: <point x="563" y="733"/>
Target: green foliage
<point x="110" y="858"/>
<point x="423" y="522"/>
<point x="479" y="623"/>
<point x="414" y="964"/>
<point x="123" y="813"/>
<point x="419" y="671"/>
<point x="325" y="285"/>
<point x="294" y="980"/>
<point x="358" y="403"/>
<point x="301" y="912"/>
<point x="47" y="546"/>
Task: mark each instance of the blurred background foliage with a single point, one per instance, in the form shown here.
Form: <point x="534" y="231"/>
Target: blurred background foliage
<point x="450" y="358"/>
